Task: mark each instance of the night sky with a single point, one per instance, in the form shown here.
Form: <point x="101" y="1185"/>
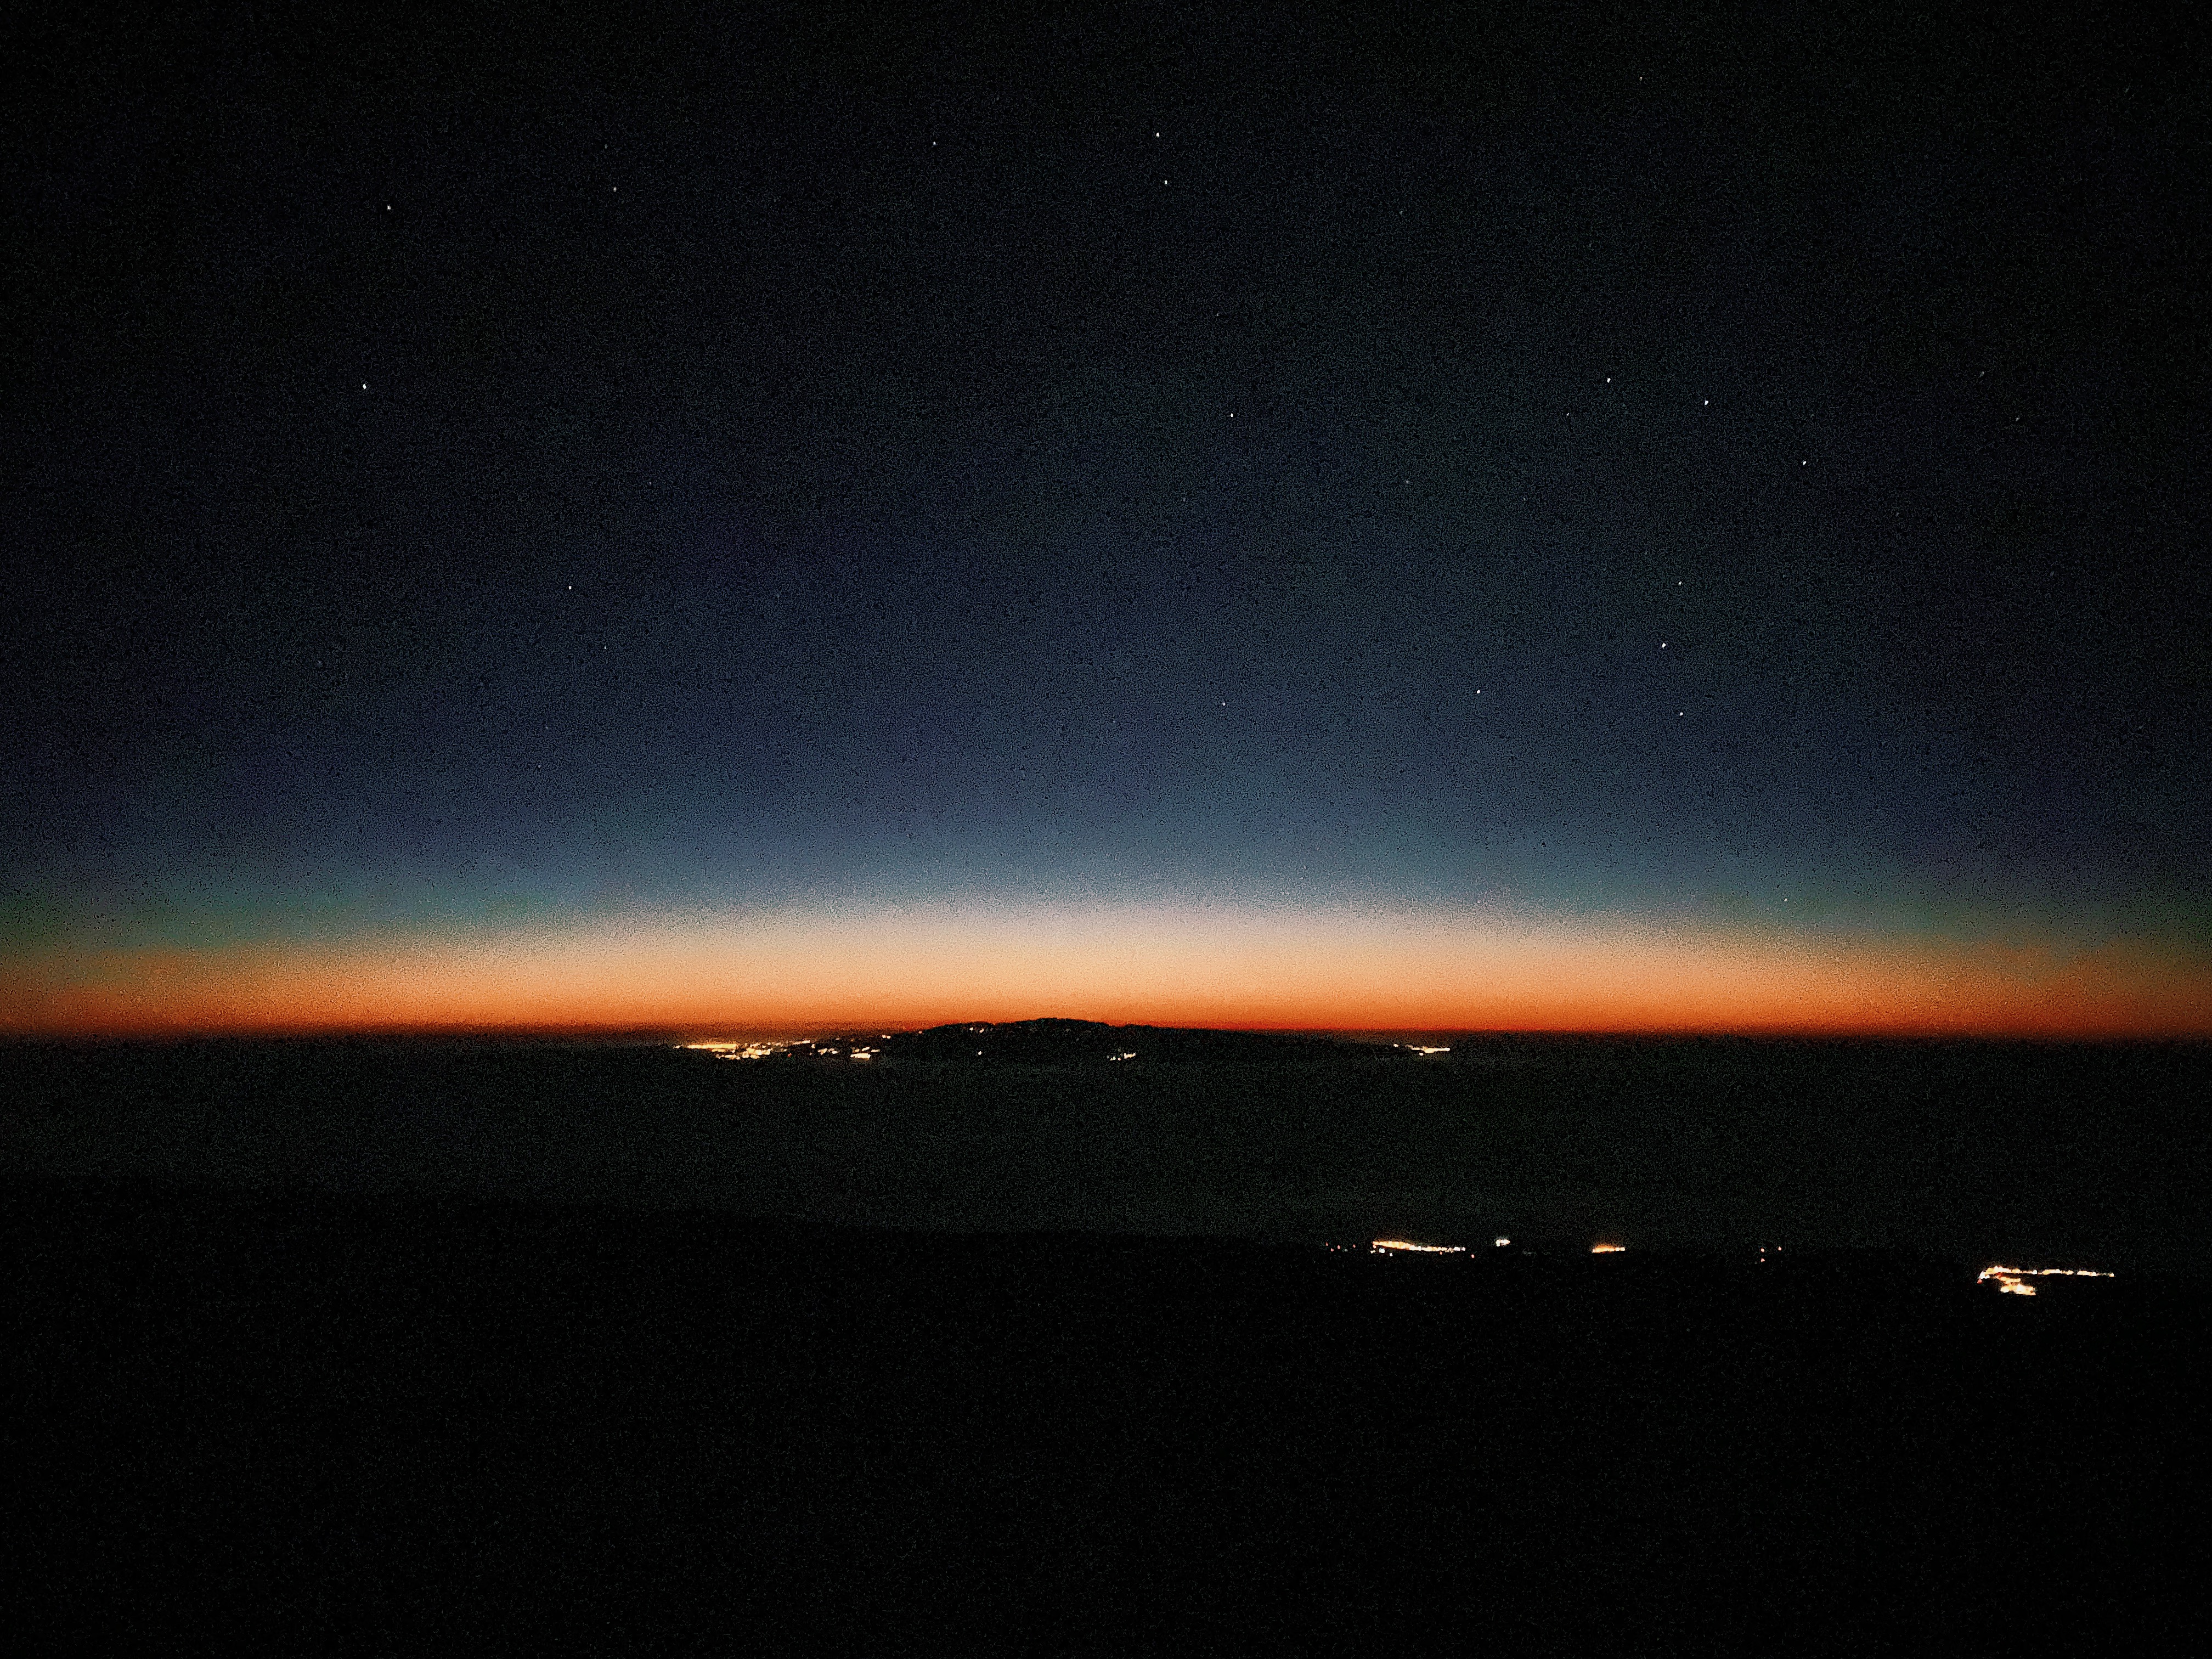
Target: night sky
<point x="1453" y="518"/>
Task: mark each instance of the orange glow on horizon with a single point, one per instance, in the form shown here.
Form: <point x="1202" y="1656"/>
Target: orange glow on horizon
<point x="1310" y="970"/>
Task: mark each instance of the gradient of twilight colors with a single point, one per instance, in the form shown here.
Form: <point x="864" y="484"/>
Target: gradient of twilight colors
<point x="1259" y="518"/>
<point x="1342" y="968"/>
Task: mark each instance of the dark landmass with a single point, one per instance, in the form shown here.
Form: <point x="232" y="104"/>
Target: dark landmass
<point x="1090" y="1042"/>
<point x="2091" y="1154"/>
<point x="377" y="1346"/>
<point x="358" y="1424"/>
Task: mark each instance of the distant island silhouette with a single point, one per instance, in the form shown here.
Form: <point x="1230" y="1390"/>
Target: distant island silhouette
<point x="1092" y="1042"/>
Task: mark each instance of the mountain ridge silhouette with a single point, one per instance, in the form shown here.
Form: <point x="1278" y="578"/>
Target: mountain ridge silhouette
<point x="1054" y="1042"/>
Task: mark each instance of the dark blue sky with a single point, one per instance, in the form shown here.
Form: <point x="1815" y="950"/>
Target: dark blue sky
<point x="508" y="465"/>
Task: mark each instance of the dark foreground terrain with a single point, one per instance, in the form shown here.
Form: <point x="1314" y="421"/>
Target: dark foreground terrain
<point x="374" y="1424"/>
<point x="392" y="1347"/>
<point x="2091" y="1154"/>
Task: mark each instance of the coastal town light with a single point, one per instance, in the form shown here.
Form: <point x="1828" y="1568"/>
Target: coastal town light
<point x="2013" y="1281"/>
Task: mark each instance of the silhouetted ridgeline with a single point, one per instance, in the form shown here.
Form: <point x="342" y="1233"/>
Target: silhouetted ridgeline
<point x="1089" y="1042"/>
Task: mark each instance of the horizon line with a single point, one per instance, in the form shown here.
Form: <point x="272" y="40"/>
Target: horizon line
<point x="801" y="1030"/>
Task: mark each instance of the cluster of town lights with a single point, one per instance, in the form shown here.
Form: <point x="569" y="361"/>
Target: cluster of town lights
<point x="769" y="1050"/>
<point x="2013" y="1281"/>
<point x="738" y="1051"/>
